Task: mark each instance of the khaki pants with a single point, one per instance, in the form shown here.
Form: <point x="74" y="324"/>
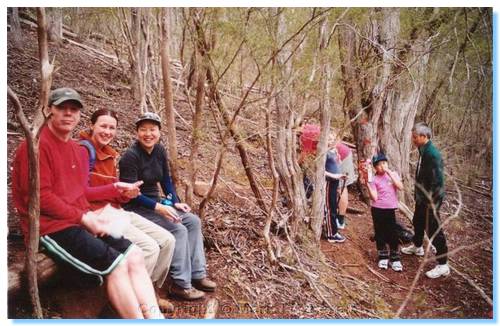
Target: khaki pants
<point x="156" y="243"/>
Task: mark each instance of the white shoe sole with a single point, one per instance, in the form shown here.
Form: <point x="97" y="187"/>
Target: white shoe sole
<point x="413" y="253"/>
<point x="438" y="276"/>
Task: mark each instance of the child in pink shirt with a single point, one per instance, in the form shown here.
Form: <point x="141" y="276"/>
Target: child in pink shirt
<point x="383" y="193"/>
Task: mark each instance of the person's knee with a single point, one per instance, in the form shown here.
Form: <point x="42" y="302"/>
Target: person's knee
<point x="150" y="249"/>
<point x="120" y="271"/>
<point x="196" y="222"/>
<point x="167" y="240"/>
<point x="135" y="259"/>
<point x="193" y="221"/>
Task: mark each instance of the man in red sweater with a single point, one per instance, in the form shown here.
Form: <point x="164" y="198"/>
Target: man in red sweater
<point x="68" y="229"/>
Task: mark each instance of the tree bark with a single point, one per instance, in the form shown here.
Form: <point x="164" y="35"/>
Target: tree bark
<point x="32" y="133"/>
<point x="382" y="103"/>
<point x="290" y="173"/>
<point x="136" y="59"/>
<point x="197" y="132"/>
<point x="15" y="28"/>
<point x="55" y="25"/>
<point x="319" y="194"/>
<point x="169" y="98"/>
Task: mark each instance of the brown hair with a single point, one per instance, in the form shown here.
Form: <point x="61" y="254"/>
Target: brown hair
<point x="102" y="112"/>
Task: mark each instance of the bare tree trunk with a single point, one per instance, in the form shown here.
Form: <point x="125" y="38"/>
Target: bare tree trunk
<point x="32" y="133"/>
<point x="169" y="98"/>
<point x="55" y="25"/>
<point x="354" y="95"/>
<point x="197" y="132"/>
<point x="382" y="102"/>
<point x="287" y="167"/>
<point x="276" y="181"/>
<point x="319" y="194"/>
<point x="136" y="59"/>
<point x="16" y="34"/>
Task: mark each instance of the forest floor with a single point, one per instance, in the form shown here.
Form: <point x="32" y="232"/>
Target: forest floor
<point x="236" y="257"/>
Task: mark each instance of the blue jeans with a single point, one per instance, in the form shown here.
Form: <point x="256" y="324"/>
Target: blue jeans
<point x="188" y="262"/>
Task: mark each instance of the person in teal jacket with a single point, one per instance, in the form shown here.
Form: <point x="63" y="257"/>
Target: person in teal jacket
<point x="429" y="195"/>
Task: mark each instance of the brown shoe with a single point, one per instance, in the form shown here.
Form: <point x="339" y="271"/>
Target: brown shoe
<point x="204" y="284"/>
<point x="186" y="294"/>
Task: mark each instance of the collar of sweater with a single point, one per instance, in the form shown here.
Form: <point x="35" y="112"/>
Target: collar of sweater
<point x="422" y="149"/>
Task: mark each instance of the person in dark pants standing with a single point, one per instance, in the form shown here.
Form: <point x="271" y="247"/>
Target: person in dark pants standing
<point x="333" y="175"/>
<point x="384" y="203"/>
<point x="429" y="194"/>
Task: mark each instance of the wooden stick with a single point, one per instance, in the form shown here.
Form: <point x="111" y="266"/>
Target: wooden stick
<point x="382" y="277"/>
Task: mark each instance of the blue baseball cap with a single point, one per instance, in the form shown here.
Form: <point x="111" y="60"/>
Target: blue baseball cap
<point x="378" y="158"/>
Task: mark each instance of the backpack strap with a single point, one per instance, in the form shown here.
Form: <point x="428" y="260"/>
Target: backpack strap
<point x="92" y="154"/>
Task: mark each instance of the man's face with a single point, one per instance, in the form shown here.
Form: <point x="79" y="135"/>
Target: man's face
<point x="418" y="140"/>
<point x="64" y="117"/>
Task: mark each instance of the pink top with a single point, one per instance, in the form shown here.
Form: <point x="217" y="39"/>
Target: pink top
<point x="387" y="197"/>
<point x="343" y="150"/>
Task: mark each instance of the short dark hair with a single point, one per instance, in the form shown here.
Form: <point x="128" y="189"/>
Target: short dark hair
<point x="102" y="112"/>
<point x="422" y="129"/>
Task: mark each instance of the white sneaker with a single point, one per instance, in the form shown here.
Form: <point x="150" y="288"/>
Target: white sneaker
<point x="412" y="250"/>
<point x="397" y="266"/>
<point x="383" y="263"/>
<point x="438" y="271"/>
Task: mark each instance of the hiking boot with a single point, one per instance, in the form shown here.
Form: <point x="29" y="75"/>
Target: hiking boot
<point x="383" y="263"/>
<point x="412" y="250"/>
<point x="397" y="266"/>
<point x="438" y="271"/>
<point x="186" y="294"/>
<point x="204" y="284"/>
<point x="336" y="238"/>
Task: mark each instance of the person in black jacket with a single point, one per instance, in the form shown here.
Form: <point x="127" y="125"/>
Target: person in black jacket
<point x="429" y="194"/>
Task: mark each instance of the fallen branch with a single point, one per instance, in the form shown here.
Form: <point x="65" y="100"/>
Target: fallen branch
<point x="377" y="274"/>
<point x="487" y="194"/>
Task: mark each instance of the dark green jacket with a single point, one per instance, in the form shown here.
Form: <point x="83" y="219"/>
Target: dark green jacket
<point x="429" y="174"/>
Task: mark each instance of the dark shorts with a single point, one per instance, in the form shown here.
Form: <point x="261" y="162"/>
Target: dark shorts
<point x="88" y="254"/>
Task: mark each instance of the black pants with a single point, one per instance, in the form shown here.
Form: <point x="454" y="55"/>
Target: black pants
<point x="427" y="219"/>
<point x="331" y="207"/>
<point x="384" y="224"/>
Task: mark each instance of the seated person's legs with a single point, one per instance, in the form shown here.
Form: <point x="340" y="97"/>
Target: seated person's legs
<point x="104" y="257"/>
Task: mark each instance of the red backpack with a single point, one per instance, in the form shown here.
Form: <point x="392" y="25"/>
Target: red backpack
<point x="309" y="139"/>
